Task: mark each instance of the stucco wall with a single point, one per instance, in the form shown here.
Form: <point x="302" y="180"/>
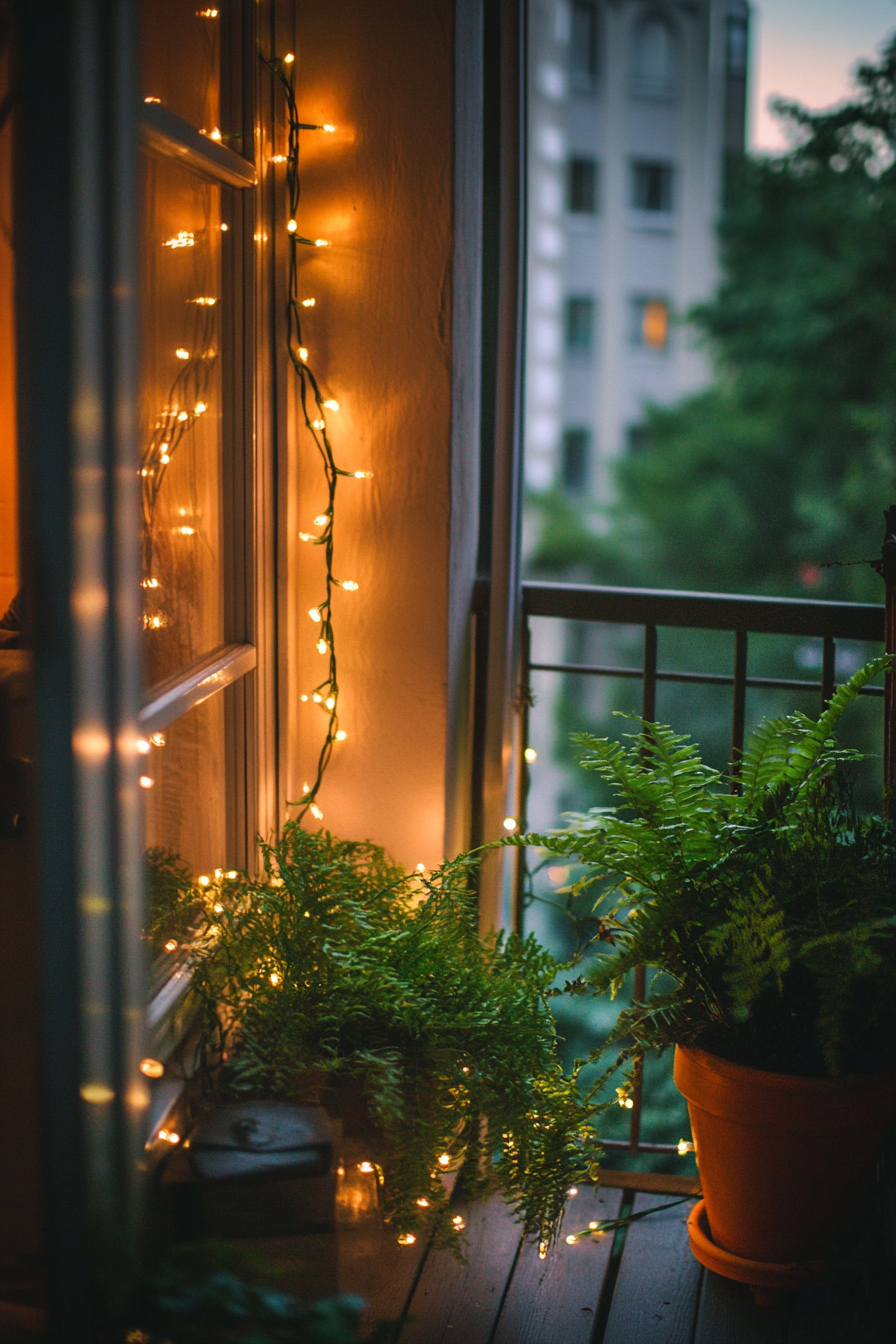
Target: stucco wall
<point x="380" y="190"/>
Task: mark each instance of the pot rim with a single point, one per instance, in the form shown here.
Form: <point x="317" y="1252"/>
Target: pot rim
<point x="789" y="1082"/>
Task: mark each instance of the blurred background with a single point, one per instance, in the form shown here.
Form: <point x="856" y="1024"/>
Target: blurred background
<point x="710" y="372"/>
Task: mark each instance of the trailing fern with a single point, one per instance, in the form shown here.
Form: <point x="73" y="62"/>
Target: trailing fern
<point x="336" y="977"/>
<point x="770" y="911"/>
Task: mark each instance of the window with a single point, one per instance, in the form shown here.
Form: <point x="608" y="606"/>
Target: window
<point x="582" y="187"/>
<point x="576" y="455"/>
<point x="736" y="48"/>
<point x="652" y="186"/>
<point x="649" y="323"/>
<point x="653" y="59"/>
<point x="583" y="47"/>
<point x="579" y="327"/>
<point x="193" y="474"/>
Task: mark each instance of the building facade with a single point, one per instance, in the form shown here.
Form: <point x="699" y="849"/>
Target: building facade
<point x="633" y="110"/>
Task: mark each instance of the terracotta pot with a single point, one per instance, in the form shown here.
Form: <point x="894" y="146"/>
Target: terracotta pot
<point x="784" y="1162"/>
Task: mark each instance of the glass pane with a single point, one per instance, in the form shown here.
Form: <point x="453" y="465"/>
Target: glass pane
<point x="180" y="415"/>
<point x="185" y="804"/>
<point x="180" y="59"/>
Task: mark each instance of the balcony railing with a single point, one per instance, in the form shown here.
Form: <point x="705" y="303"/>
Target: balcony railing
<point x="654" y="609"/>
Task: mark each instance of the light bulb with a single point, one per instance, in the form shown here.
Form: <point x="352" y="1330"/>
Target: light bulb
<point x="445" y="1160"/>
<point x="217" y="907"/>
<point x="321" y="242"/>
<point x="317" y="424"/>
<point x="171" y="945"/>
<point x="573" y="1191"/>
<point x="458" y="1222"/>
<point x="215" y="134"/>
<point x="143" y="745"/>
<point x="277" y="158"/>
<point x="314" y="613"/>
<point x="570" y="1241"/>
<point x="204" y="881"/>
<point x="316" y="812"/>
<point x="152" y="1068"/>
<point x="158" y="739"/>
<point x="308" y="303"/>
<point x="182" y="239"/>
<point x="223" y="227"/>
<point x="165" y="459"/>
<point x="204" y="301"/>
<point x="146" y="782"/>
<point x="423" y="1203"/>
<point x="341" y="735"/>
<point x="152" y="100"/>
<point x="321" y="520"/>
<point x="510" y="823"/>
<point x="593" y="1226"/>
<point x="542" y="1250"/>
<point x="303" y="698"/>
<point x="365" y="1166"/>
<point x="172" y="1137"/>
<point x="183" y="416"/>
<point x="317" y="698"/>
<point x="421" y="867"/>
<point x="330" y="404"/>
<point x="406" y="1239"/>
<point x="331" y="702"/>
<point x="291" y="226"/>
<point x="349" y="585"/>
<point x="307" y="536"/>
<point x="232" y="874"/>
<point x="362" y="475"/>
<point x="186" y="531"/>
<point x="530" y="754"/>
<point x="200" y="408"/>
<point x="181" y="353"/>
<point x="629" y="1103"/>
<point x="303" y="353"/>
<point x="288" y="58"/>
<point x="328" y="127"/>
<point x="274" y="979"/>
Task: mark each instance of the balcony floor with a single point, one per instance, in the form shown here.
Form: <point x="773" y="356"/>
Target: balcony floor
<point x="644" y="1289"/>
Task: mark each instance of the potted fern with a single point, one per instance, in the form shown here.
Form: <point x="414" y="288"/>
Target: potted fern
<point x="335" y="977"/>
<point x="768" y="917"/>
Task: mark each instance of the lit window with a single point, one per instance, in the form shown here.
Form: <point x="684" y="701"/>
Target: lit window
<point x="576" y="455"/>
<point x="653" y="59"/>
<point x="583" y="46"/>
<point x="579" y="324"/>
<point x="649" y="323"/>
<point x="582" y="187"/>
<point x="651" y="185"/>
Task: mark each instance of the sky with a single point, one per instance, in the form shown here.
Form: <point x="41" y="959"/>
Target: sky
<point x="806" y="50"/>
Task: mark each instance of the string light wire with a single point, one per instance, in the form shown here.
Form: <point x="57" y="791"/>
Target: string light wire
<point x="313" y="404"/>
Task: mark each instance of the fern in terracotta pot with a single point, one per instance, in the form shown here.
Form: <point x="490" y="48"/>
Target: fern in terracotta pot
<point x="768" y="919"/>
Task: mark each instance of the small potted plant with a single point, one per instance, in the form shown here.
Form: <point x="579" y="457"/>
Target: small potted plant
<point x="767" y="915"/>
<point x="337" y="978"/>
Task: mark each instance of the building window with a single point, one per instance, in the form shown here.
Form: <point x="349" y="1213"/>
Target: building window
<point x="582" y="187"/>
<point x="653" y="59"/>
<point x="636" y="439"/>
<point x="576" y="454"/>
<point x="583" y="47"/>
<point x="652" y="186"/>
<point x="649" y="318"/>
<point x="579" y="324"/>
<point x="736" y="48"/>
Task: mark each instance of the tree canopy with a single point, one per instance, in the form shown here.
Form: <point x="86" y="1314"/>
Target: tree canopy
<point x="786" y="461"/>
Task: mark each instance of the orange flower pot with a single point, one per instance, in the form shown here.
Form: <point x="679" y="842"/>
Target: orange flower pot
<point x="769" y="1147"/>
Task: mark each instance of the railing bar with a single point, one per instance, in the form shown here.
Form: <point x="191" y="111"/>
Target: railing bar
<point x="696" y="678"/>
<point x="739" y="706"/>
<point x="648" y="698"/>
<point x="828" y="660"/>
<point x="522" y="773"/>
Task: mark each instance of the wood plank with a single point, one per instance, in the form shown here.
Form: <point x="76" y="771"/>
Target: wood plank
<point x="654" y="1182"/>
<point x="555" y="1301"/>
<point x="458" y="1304"/>
<point x="728" y="1315"/>
<point x="372" y="1264"/>
<point x="656" y="1296"/>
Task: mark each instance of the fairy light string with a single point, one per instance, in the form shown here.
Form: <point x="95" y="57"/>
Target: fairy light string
<point x="314" y="406"/>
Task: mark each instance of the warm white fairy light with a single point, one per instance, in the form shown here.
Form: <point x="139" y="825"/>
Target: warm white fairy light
<point x="288" y="58"/>
<point x="182" y="239"/>
<point x="146" y="782"/>
<point x="341" y="734"/>
<point x="274" y="979"/>
<point x="291" y="226"/>
<point x="317" y="698"/>
<point x="143" y="745"/>
<point x="303" y="353"/>
<point x="171" y="945"/>
<point x="321" y="520"/>
<point x="200" y="408"/>
<point x="150" y="99"/>
<point x="445" y="1160"/>
<point x="214" y="134"/>
<point x="204" y="301"/>
<point x="530" y="754"/>
<point x="328" y="128"/>
<point x="157" y="739"/>
<point x="308" y="536"/>
<point x="181" y="353"/>
<point x="363" y="475"/>
<point x="330" y="404"/>
<point x="330" y="702"/>
<point x="349" y="585"/>
<point x="151" y="1068"/>
<point x="406" y="1239"/>
<point x="423" y="1203"/>
<point x="308" y="303"/>
<point x="318" y="424"/>
<point x="316" y="812"/>
<point x="315" y="615"/>
<point x="204" y="881"/>
<point x="321" y="242"/>
<point x="510" y="823"/>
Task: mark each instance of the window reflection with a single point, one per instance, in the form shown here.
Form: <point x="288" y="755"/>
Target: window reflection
<point x="183" y="777"/>
<point x="180" y="408"/>
<point x="180" y="59"/>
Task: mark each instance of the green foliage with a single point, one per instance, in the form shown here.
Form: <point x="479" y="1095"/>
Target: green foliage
<point x="785" y="462"/>
<point x="338" y="974"/>
<point x="769" y="915"/>
<point x="214" y="1293"/>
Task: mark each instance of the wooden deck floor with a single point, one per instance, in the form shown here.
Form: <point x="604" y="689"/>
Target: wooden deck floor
<point x="640" y="1287"/>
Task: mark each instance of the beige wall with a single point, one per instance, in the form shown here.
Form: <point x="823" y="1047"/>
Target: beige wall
<point x="380" y="190"/>
<point x="9" y="557"/>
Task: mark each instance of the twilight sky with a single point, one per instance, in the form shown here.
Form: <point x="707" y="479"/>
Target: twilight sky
<point x="806" y="49"/>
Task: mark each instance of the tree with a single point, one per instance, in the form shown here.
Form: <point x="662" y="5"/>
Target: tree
<point x="786" y="461"/>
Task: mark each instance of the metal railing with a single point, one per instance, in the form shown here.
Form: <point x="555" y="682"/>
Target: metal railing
<point x="654" y="609"/>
